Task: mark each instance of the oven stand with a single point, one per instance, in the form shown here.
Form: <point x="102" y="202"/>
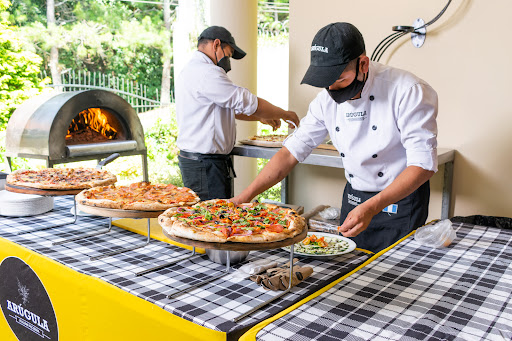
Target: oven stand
<point x="52" y="226"/>
<point x="85" y="235"/>
<point x="238" y="318"/>
<point x="206" y="281"/>
<point x="169" y="264"/>
<point x="128" y="248"/>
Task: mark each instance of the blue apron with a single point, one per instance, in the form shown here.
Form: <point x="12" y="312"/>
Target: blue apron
<point x="393" y="223"/>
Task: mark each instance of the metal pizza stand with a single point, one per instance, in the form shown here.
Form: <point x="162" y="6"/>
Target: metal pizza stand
<point x="232" y="246"/>
<point x="117" y="213"/>
<point x="57" y="192"/>
<point x="46" y="193"/>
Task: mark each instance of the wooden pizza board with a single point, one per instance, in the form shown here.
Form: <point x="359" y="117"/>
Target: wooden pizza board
<point x="38" y="191"/>
<point x="280" y="144"/>
<point x="117" y="213"/>
<point x="231" y="246"/>
<point x="262" y="143"/>
<point x="326" y="146"/>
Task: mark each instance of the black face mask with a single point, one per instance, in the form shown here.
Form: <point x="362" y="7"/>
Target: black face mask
<point x="224" y="62"/>
<point x="342" y="95"/>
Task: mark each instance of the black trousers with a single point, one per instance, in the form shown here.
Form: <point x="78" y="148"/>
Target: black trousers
<point x="388" y="227"/>
<point x="209" y="175"/>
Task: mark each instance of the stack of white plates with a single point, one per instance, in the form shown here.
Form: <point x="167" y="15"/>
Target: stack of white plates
<point x="22" y="205"/>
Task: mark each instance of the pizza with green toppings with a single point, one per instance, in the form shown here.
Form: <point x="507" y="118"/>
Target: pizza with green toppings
<point x="222" y="221"/>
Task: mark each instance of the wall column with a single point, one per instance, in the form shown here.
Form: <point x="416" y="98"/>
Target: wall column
<point x="240" y="18"/>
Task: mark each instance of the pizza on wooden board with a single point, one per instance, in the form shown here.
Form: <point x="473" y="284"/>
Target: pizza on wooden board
<point x="269" y="138"/>
<point x="61" y="178"/>
<point x="140" y="196"/>
<point x="222" y="221"/>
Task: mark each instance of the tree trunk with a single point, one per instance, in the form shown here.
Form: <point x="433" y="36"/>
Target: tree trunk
<point x="166" y="71"/>
<point x="54" y="51"/>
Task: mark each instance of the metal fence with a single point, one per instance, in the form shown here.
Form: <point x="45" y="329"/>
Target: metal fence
<point x="134" y="93"/>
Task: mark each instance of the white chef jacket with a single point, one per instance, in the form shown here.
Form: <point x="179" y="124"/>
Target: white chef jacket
<point x="392" y="126"/>
<point x="206" y="104"/>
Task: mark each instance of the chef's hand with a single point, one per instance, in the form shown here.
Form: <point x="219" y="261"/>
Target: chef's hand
<point x="356" y="222"/>
<point x="291" y="116"/>
<point x="273" y="123"/>
<point x="239" y="199"/>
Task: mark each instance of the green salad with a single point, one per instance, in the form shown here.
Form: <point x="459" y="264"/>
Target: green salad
<point x="313" y="245"/>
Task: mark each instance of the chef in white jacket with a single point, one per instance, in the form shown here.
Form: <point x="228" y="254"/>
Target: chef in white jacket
<point x="207" y="104"/>
<point x="382" y="120"/>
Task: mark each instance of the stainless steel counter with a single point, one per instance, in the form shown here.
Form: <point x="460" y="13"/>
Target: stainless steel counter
<point x="331" y="158"/>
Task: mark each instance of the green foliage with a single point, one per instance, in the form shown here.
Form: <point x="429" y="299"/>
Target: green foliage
<point x="269" y="18"/>
<point x="19" y="70"/>
<point x="111" y="37"/>
<point x="160" y="135"/>
<point x="162" y="150"/>
<point x="273" y="193"/>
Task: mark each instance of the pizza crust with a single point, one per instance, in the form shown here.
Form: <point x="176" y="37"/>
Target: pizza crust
<point x="103" y="203"/>
<point x="184" y="230"/>
<point x="107" y="178"/>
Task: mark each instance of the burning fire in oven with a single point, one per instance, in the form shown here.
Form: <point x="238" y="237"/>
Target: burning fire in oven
<point x="89" y="126"/>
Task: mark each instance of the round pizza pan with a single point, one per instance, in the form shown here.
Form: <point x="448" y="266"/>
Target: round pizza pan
<point x="117" y="213"/>
<point x="232" y="246"/>
<point x="38" y="191"/>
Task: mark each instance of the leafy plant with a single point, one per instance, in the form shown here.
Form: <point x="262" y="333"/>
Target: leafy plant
<point x="109" y="37"/>
<point x="19" y="69"/>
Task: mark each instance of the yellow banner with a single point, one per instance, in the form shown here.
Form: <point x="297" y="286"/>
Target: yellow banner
<point x="88" y="308"/>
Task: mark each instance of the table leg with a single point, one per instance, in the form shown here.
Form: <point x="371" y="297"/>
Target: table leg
<point x="284" y="190"/>
<point x="447" y="190"/>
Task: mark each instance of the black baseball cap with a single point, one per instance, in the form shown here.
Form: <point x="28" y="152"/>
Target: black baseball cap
<point x="219" y="32"/>
<point x="333" y="47"/>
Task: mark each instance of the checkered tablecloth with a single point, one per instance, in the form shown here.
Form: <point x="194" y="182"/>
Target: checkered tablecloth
<point x="213" y="305"/>
<point x="462" y="292"/>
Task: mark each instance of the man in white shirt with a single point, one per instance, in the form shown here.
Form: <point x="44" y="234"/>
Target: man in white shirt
<point x="207" y="103"/>
<point x="382" y="120"/>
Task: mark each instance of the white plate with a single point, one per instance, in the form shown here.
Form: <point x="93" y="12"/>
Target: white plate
<point x="351" y="246"/>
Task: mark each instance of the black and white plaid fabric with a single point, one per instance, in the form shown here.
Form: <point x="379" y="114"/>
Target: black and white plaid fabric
<point x="213" y="305"/>
<point x="412" y="292"/>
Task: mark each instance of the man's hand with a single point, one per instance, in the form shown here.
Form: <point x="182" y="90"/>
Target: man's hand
<point x="239" y="199"/>
<point x="357" y="221"/>
<point x="273" y="123"/>
<point x="291" y="116"/>
<point x="407" y="182"/>
<point x="268" y="111"/>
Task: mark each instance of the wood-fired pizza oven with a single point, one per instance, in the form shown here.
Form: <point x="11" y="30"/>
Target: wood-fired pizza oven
<point x="75" y="126"/>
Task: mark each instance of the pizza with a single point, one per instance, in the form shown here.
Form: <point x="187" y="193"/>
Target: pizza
<point x="61" y="178"/>
<point x="140" y="196"/>
<point x="275" y="140"/>
<point x="269" y="138"/>
<point x="222" y="221"/>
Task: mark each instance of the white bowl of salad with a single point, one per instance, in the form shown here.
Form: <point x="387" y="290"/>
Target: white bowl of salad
<point x="321" y="244"/>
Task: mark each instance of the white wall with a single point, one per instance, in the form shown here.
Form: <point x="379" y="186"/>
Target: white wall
<point x="465" y="58"/>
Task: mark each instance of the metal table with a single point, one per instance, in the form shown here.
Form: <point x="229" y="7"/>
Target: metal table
<point x="331" y="158"/>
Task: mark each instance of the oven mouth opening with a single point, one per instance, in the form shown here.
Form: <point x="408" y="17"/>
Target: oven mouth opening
<point x="94" y="125"/>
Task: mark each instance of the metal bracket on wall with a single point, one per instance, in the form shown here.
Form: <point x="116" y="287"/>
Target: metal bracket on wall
<point x="419" y="34"/>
